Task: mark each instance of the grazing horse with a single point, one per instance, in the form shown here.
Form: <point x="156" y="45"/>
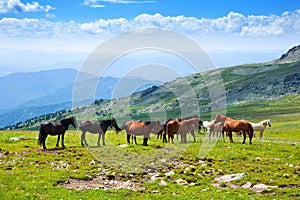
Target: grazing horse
<point x="261" y="126"/>
<point x="98" y="127"/>
<point x="231" y="125"/>
<point x="215" y="129"/>
<point x="206" y="125"/>
<point x="135" y="128"/>
<point x="177" y="126"/>
<point x="164" y="134"/>
<point x="55" y="128"/>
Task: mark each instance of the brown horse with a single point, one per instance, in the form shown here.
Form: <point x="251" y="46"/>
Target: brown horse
<point x="98" y="127"/>
<point x="182" y="127"/>
<point x="136" y="128"/>
<point x="231" y="125"/>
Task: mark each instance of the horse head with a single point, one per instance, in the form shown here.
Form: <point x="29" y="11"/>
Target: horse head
<point x="115" y="125"/>
<point x="220" y="118"/>
<point x="74" y="122"/>
<point x="269" y="122"/>
<point x="156" y="126"/>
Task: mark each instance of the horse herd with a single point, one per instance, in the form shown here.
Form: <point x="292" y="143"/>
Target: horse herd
<point x="167" y="128"/>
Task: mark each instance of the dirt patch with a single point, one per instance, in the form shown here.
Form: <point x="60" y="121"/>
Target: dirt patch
<point x="100" y="183"/>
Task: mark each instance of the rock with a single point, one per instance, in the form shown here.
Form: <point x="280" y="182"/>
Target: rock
<point x="181" y="181"/>
<point x="247" y="185"/>
<point x="162" y="183"/>
<point x="230" y="177"/>
<point x="259" y="187"/>
<point x="170" y="173"/>
<point x="123" y="146"/>
<point x="18" y="138"/>
<point x="286" y="176"/>
<point x="257" y="159"/>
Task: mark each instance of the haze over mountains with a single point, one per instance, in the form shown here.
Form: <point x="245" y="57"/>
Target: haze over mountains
<point x="27" y="95"/>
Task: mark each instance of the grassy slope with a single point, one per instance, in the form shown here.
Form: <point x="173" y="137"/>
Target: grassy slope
<point x="27" y="172"/>
<point x="254" y="87"/>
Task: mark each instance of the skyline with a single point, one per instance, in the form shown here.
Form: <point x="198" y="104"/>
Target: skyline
<point x="77" y="29"/>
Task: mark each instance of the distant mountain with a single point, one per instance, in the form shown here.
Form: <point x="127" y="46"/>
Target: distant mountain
<point x="28" y="95"/>
<point x="19" y="88"/>
<point x="293" y="55"/>
<point x="243" y="84"/>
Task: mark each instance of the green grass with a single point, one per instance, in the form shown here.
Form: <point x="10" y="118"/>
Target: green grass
<point x="28" y="172"/>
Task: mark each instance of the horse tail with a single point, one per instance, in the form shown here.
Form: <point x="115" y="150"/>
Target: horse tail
<point x="250" y="131"/>
<point x="41" y="135"/>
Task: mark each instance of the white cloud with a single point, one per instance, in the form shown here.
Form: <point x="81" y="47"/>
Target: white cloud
<point x="234" y="27"/>
<point x="16" y="6"/>
<point x="99" y="3"/>
<point x="233" y="23"/>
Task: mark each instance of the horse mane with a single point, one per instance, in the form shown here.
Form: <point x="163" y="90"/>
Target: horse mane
<point x="147" y="123"/>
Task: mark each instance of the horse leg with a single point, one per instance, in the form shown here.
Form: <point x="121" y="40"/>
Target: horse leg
<point x="62" y="140"/>
<point x="244" y="134"/>
<point x="44" y="142"/>
<point x="193" y="134"/>
<point x="128" y="138"/>
<point x="58" y="138"/>
<point x="83" y="139"/>
<point x="99" y="136"/>
<point x="230" y="136"/>
<point x="261" y="134"/>
<point x="134" y="139"/>
<point x="145" y="142"/>
<point x="165" y="137"/>
<point x="250" y="133"/>
<point x="254" y="134"/>
<point x="103" y="139"/>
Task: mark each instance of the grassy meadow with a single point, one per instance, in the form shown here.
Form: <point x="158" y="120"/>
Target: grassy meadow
<point x="28" y="172"/>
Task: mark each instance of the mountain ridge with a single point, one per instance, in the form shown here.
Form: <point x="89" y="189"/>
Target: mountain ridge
<point x="245" y="83"/>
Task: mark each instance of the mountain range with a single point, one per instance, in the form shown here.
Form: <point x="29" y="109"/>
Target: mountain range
<point x="243" y="84"/>
<point x="30" y="94"/>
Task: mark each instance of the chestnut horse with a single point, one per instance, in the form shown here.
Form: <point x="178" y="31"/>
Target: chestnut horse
<point x="231" y="125"/>
<point x="136" y="128"/>
<point x="176" y="126"/>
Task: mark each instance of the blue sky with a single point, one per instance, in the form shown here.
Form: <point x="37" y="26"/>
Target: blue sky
<point x="267" y="27"/>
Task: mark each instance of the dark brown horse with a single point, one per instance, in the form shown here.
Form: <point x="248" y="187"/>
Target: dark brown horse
<point x="98" y="127"/>
<point x="136" y="128"/>
<point x="231" y="125"/>
<point x="55" y="128"/>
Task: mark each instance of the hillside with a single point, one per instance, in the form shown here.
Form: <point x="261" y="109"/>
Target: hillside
<point x="249" y="85"/>
<point x="258" y="87"/>
<point x="293" y="55"/>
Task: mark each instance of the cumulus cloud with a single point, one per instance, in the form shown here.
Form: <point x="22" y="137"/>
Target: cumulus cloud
<point x="16" y="6"/>
<point x="233" y="23"/>
<point x="99" y="3"/>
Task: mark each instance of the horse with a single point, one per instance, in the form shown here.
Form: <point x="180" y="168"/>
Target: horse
<point x="206" y="125"/>
<point x="261" y="126"/>
<point x="231" y="125"/>
<point x="55" y="128"/>
<point x="177" y="126"/>
<point x="98" y="127"/>
<point x="135" y="128"/>
<point x="215" y="129"/>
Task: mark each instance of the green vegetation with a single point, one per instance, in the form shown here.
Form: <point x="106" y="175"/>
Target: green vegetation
<point x="258" y="89"/>
<point x="28" y="172"/>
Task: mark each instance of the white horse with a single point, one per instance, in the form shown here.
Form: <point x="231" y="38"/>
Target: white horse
<point x="206" y="125"/>
<point x="261" y="126"/>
